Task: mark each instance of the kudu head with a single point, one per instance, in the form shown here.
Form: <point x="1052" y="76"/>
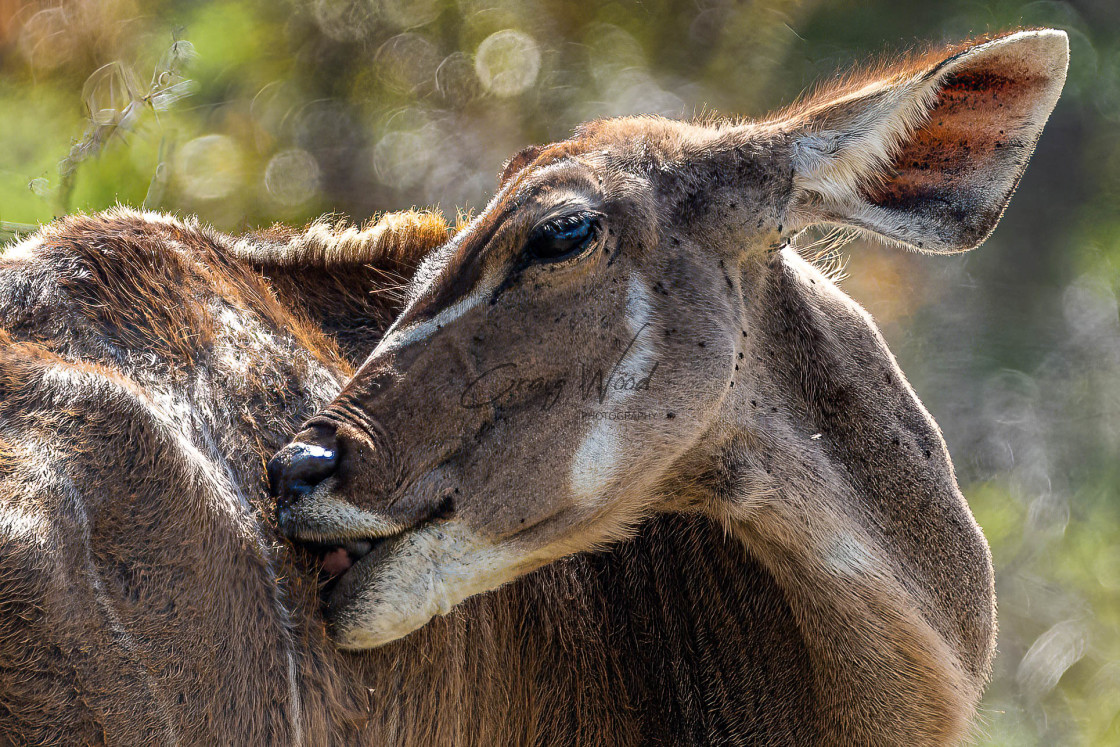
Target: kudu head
<point x="563" y="362"/>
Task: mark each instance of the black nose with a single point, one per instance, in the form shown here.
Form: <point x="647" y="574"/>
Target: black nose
<point x="296" y="469"/>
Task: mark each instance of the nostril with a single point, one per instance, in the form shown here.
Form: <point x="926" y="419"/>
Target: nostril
<point x="298" y="468"/>
<point x="310" y="465"/>
<point x="445" y="509"/>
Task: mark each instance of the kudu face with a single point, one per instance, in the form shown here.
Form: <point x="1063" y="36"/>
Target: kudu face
<point x="564" y="354"/>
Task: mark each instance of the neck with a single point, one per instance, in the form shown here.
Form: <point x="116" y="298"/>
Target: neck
<point x="882" y="670"/>
<point x="836" y="481"/>
<point x="675" y="636"/>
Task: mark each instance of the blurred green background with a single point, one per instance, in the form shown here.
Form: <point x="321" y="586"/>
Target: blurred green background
<point x="251" y="112"/>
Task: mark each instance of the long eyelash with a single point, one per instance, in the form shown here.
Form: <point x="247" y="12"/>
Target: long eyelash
<point x="564" y="223"/>
<point x="556" y="225"/>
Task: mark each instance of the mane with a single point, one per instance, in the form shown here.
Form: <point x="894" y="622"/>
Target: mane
<point x="402" y="239"/>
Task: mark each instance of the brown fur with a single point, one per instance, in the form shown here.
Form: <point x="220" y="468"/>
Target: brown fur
<point x="139" y="605"/>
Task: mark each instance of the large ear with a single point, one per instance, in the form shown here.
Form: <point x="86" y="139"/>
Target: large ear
<point x="929" y="154"/>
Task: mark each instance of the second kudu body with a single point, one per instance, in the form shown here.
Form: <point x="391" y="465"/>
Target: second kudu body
<point x="754" y="392"/>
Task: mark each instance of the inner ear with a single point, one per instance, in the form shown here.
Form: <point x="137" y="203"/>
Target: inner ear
<point x="969" y="154"/>
<point x="930" y="157"/>
<point x="519" y="161"/>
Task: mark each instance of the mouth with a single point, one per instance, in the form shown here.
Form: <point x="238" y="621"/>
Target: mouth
<point x="335" y="557"/>
<point x="330" y="561"/>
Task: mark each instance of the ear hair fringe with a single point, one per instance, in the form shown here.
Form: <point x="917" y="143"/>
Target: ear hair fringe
<point x="885" y="68"/>
<point x="826" y="252"/>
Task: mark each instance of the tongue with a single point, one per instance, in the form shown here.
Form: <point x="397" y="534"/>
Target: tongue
<point x="337" y="561"/>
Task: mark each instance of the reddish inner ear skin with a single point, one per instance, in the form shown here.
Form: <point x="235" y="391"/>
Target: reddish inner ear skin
<point x="965" y="128"/>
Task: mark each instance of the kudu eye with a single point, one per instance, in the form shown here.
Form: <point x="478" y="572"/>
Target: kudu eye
<point x="562" y="238"/>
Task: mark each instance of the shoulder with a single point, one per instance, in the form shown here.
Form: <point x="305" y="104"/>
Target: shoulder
<point x="126" y="284"/>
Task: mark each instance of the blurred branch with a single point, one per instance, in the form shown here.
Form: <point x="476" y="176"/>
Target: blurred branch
<point x="115" y="106"/>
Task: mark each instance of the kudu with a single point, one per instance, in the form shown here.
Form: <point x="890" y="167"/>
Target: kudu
<point x="741" y="386"/>
<point x="751" y="533"/>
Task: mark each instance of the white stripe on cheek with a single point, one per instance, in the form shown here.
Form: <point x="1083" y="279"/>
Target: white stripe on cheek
<point x="599" y="457"/>
<point x="641" y="357"/>
<point x="638" y="308"/>
<point x="596" y="462"/>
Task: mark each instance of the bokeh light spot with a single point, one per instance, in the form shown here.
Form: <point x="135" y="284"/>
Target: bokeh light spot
<point x="345" y="20"/>
<point x="408" y="14"/>
<point x="507" y="62"/>
<point x="292" y="177"/>
<point x="210" y="167"/>
<point x="456" y="81"/>
<point x="1052" y="653"/>
<point x="402" y="158"/>
<point x="406" y="63"/>
<point x="47" y="40"/>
